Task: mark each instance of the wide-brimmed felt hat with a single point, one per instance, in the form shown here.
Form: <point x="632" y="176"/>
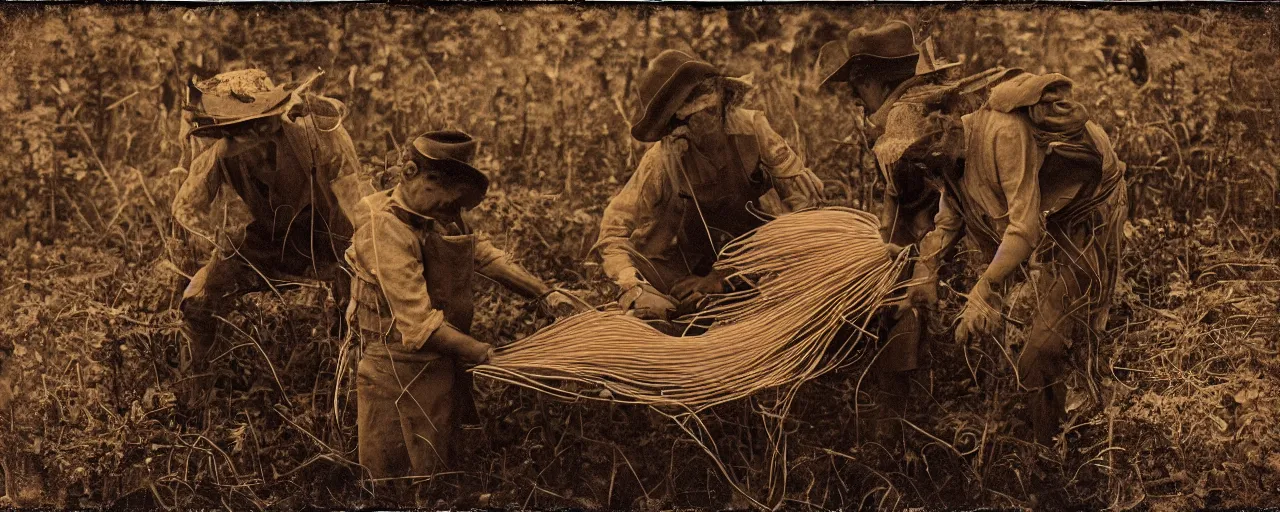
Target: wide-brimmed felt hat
<point x="452" y="151"/>
<point x="665" y="85"/>
<point x="236" y="97"/>
<point x="929" y="62"/>
<point x="889" y="51"/>
<point x="1024" y="90"/>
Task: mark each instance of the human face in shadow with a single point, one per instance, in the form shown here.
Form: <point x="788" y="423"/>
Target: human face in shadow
<point x="429" y="190"/>
<point x="703" y="111"/>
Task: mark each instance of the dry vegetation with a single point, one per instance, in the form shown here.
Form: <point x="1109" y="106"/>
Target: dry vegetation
<point x="93" y="263"/>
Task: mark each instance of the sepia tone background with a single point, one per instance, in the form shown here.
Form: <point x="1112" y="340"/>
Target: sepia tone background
<point x="92" y="263"/>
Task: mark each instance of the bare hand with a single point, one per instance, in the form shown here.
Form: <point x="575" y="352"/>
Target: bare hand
<point x="477" y="355"/>
<point x="893" y="250"/>
<point x="923" y="290"/>
<point x="695" y="287"/>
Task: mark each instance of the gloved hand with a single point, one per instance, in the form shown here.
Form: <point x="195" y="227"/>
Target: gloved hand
<point x="647" y="302"/>
<point x="803" y="190"/>
<point x="558" y="304"/>
<point x="981" y="313"/>
<point x="693" y="289"/>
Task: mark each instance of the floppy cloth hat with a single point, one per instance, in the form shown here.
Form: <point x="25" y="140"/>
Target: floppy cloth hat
<point x="664" y="87"/>
<point x="1055" y="117"/>
<point x="1024" y="90"/>
<point x="1073" y="165"/>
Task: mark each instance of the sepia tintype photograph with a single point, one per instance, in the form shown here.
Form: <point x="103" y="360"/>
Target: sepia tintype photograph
<point x="639" y="256"/>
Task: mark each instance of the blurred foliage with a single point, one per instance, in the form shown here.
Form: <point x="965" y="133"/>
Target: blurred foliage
<point x="93" y="263"/>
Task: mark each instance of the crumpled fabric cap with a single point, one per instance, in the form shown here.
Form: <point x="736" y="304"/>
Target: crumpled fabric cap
<point x="1024" y="90"/>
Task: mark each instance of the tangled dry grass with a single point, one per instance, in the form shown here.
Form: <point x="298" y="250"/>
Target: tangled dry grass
<point x="93" y="264"/>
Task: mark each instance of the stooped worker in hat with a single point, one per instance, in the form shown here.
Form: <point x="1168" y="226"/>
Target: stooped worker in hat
<point x="412" y="305"/>
<point x="1039" y="178"/>
<point x="287" y="157"/>
<point x="693" y="191"/>
<point x="885" y="69"/>
<point x="881" y="66"/>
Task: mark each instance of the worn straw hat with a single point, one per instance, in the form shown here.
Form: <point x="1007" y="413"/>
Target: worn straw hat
<point x="236" y="97"/>
<point x="907" y="122"/>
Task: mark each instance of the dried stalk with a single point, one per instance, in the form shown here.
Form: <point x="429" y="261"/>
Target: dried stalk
<point x="816" y="272"/>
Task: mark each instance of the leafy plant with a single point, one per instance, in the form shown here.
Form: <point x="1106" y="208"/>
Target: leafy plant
<point x="93" y="264"/>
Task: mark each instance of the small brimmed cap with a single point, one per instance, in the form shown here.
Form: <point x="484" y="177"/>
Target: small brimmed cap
<point x="453" y="151"/>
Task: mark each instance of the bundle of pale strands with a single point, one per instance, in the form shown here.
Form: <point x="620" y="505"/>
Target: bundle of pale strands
<point x="815" y="272"/>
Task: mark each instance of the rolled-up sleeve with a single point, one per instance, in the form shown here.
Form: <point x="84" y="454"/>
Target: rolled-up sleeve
<point x="204" y="179"/>
<point x="947" y="226"/>
<point x="797" y="185"/>
<point x="889" y="213"/>
<point x="488" y="254"/>
<point x="948" y="219"/>
<point x="632" y="208"/>
<point x="1111" y="163"/>
<point x="1017" y="175"/>
<point x="389" y="250"/>
<point x="348" y="184"/>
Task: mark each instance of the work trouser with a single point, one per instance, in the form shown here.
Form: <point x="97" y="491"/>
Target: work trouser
<point x="897" y="358"/>
<point x="902" y="350"/>
<point x="1074" y="293"/>
<point x="1061" y="316"/>
<point x="405" y="418"/>
<point x="903" y="339"/>
<point x="216" y="287"/>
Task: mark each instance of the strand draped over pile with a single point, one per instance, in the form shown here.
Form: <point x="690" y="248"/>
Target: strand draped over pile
<point x="816" y="273"/>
